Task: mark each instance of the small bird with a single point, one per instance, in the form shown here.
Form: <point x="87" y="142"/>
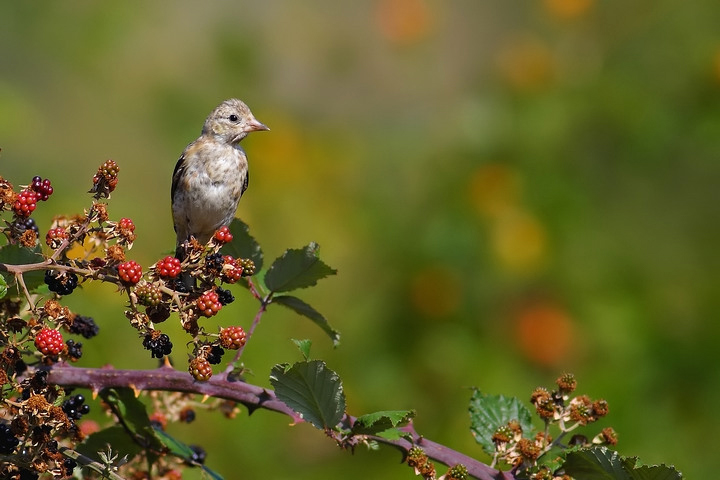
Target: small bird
<point x="212" y="174"/>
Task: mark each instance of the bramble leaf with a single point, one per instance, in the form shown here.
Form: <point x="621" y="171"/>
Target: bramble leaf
<point x="297" y="268"/>
<point x="377" y="422"/>
<point x="312" y="390"/>
<point x="302" y="308"/>
<point x="489" y="412"/>
<point x="601" y="463"/>
<point x="304" y="347"/>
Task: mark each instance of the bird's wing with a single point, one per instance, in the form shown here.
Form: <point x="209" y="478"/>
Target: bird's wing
<point x="247" y="181"/>
<point x="177" y="173"/>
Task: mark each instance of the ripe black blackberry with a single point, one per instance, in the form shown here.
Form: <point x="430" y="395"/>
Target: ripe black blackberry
<point x="21" y="224"/>
<point x="28" y="475"/>
<point x="8" y="441"/>
<point x="74" y="349"/>
<point x="215" y="355"/>
<point x="75" y="407"/>
<point x="214" y="263"/>
<point x="62" y="283"/>
<point x="224" y="296"/>
<point x="198" y="455"/>
<point x="159" y="345"/>
<point x="84" y="326"/>
<point x="182" y="284"/>
<point x="187" y="415"/>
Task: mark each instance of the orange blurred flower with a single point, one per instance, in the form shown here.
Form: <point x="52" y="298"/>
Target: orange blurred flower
<point x="403" y="21"/>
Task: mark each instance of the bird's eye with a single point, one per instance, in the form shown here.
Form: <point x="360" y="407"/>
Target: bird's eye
<point x="233" y="118"/>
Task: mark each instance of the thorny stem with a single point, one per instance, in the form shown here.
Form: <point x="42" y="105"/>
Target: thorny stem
<point x="253" y="397"/>
<point x="21" y="282"/>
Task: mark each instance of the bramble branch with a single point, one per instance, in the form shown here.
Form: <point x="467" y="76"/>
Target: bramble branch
<point x="253" y="397"/>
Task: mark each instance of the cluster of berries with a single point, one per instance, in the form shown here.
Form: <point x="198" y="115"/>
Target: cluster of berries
<point x="75" y="407"/>
<point x="62" y="283"/>
<point x="130" y="272"/>
<point x="55" y="237"/>
<point x="49" y="341"/>
<point x="231" y="338"/>
<point x="168" y="267"/>
<point x="26" y="201"/>
<point x="149" y="294"/>
<point x="85" y="326"/>
<point x="105" y="180"/>
<point x="158" y="343"/>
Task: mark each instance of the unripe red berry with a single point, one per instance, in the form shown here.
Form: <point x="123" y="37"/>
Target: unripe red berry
<point x="223" y="235"/>
<point x="200" y="369"/>
<point x="233" y="337"/>
<point x="55" y="236"/>
<point x="41" y="187"/>
<point x="25" y="203"/>
<point x="232" y="271"/>
<point x="168" y="267"/>
<point x="49" y="341"/>
<point x="208" y="303"/>
<point x="130" y="272"/>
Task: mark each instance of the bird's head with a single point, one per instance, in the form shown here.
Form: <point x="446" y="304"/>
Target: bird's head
<point x="232" y="120"/>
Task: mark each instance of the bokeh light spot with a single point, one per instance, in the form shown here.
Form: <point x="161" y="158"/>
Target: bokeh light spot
<point x="526" y="64"/>
<point x="544" y="333"/>
<point x="568" y="9"/>
<point x="519" y="241"/>
<point x="403" y="21"/>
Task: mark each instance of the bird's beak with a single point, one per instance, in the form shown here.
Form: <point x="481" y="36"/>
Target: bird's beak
<point x="254" y="126"/>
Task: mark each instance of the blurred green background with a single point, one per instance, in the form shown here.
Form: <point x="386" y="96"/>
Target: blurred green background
<point x="509" y="190"/>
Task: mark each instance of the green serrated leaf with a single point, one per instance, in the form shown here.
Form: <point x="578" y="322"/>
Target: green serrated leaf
<point x="304" y="347"/>
<point x="19" y="255"/>
<point x="655" y="472"/>
<point x="297" y="268"/>
<point x="377" y="422"/>
<point x="312" y="390"/>
<point x="302" y="308"/>
<point x="598" y="463"/>
<point x="3" y="286"/>
<point x="488" y="412"/>
<point x="243" y="244"/>
<point x="116" y="436"/>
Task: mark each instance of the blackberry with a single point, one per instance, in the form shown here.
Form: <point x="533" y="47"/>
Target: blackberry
<point x="198" y="455"/>
<point x="42" y="187"/>
<point x="38" y="381"/>
<point x="21" y="225"/>
<point x="159" y="344"/>
<point x="84" y="326"/>
<point x="75" y="407"/>
<point x="28" y="475"/>
<point x="182" y="284"/>
<point x="214" y="263"/>
<point x="187" y="415"/>
<point x="224" y="296"/>
<point x="74" y="349"/>
<point x="69" y="465"/>
<point x="248" y="267"/>
<point x="8" y="441"/>
<point x="158" y="313"/>
<point x="62" y="283"/>
<point x="215" y="355"/>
